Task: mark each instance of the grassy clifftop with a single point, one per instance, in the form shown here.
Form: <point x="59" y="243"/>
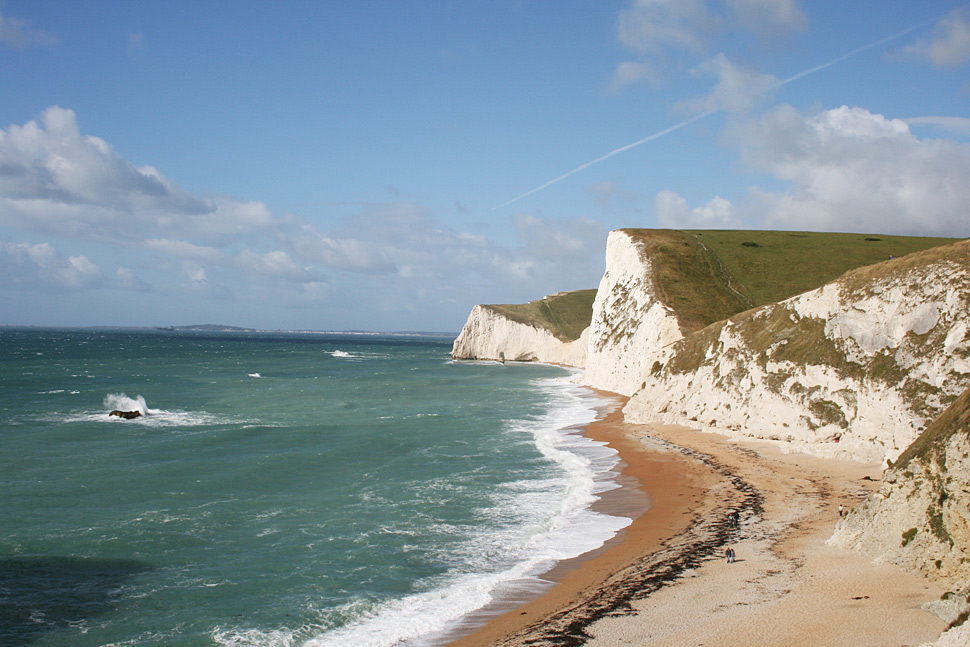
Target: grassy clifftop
<point x="566" y="315"/>
<point x="708" y="276"/>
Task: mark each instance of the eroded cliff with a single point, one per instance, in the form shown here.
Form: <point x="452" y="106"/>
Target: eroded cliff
<point x="854" y="369"/>
<point x="491" y="334"/>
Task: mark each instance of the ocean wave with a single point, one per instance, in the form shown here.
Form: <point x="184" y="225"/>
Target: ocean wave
<point x="254" y="637"/>
<point x="530" y="526"/>
<point x="358" y="356"/>
<point x="153" y="418"/>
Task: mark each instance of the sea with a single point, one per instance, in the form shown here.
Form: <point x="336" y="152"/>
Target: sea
<point x="282" y="489"/>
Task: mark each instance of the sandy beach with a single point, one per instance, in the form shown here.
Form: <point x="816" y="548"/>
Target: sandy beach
<point x="665" y="580"/>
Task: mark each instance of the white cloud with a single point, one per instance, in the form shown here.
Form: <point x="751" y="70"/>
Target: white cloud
<point x="128" y="280"/>
<point x="656" y="29"/>
<point x="27" y="266"/>
<point x="19" y="34"/>
<point x="185" y="250"/>
<point x="574" y="239"/>
<point x="54" y="180"/>
<point x="950" y="43"/>
<point x="738" y="88"/>
<point x="275" y="264"/>
<point x="769" y="17"/>
<point x="673" y="212"/>
<point x="852" y="170"/>
<point x="345" y="253"/>
<point x="659" y="32"/>
<point x="653" y="26"/>
<point x="959" y="125"/>
<point x="632" y="72"/>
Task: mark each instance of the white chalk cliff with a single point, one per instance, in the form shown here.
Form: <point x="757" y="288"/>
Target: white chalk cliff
<point x="919" y="519"/>
<point x="855" y="369"/>
<point x="490" y="335"/>
<point x="630" y="324"/>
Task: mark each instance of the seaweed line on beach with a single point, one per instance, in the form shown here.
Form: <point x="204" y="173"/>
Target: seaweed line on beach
<point x="701" y="541"/>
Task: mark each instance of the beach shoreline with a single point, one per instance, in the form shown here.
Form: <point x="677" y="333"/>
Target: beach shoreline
<point x="664" y="580"/>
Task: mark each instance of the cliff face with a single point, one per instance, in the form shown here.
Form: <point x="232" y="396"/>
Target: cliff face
<point x="919" y="519"/>
<point x="490" y="335"/>
<point x="630" y="322"/>
<point x="854" y="369"/>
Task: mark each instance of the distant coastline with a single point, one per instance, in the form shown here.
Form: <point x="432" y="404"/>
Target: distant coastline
<point x="239" y="329"/>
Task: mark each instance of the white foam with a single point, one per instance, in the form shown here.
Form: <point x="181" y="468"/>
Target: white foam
<point x="155" y="418"/>
<point x="254" y="375"/>
<point x="122" y="402"/>
<point x="518" y="544"/>
<point x="253" y="638"/>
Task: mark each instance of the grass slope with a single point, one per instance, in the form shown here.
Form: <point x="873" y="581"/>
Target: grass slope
<point x="708" y="276"/>
<point x="566" y="315"/>
<point x="932" y="442"/>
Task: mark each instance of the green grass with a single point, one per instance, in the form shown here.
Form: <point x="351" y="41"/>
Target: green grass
<point x="709" y="276"/>
<point x="566" y="315"/>
<point x="786" y="263"/>
<point x="930" y="444"/>
<point x="692" y="280"/>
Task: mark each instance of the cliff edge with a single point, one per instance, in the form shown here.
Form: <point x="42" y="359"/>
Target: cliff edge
<point x="854" y="369"/>
<point x="919" y="519"/>
<point x="547" y="330"/>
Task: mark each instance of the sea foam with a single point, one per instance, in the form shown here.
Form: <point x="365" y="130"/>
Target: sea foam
<point x="506" y="560"/>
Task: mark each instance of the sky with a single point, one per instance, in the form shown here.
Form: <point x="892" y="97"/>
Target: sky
<point x="386" y="165"/>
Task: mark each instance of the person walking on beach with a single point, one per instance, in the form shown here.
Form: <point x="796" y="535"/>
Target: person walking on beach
<point x="840" y="511"/>
<point x="730" y="555"/>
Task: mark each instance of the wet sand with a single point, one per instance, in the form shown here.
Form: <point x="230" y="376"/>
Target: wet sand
<point x="665" y="581"/>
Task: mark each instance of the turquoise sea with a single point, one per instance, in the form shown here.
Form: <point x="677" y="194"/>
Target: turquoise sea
<point x="281" y="489"/>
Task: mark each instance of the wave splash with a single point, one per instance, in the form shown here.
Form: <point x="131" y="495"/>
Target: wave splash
<point x="122" y="402"/>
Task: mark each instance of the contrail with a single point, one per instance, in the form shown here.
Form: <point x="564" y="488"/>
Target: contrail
<point x="698" y="117"/>
<point x="648" y="138"/>
<point x="859" y="50"/>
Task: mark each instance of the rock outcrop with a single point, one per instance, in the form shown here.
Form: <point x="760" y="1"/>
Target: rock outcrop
<point x="854" y="369"/>
<point x="631" y="323"/>
<point x="919" y="519"/>
<point x="489" y="334"/>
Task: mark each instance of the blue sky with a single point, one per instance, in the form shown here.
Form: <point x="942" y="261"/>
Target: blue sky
<point x="387" y="165"/>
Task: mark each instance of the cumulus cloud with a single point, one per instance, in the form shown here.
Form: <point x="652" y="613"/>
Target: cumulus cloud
<point x="632" y="72"/>
<point x="395" y="257"/>
<point x="275" y="264"/>
<point x="128" y="280"/>
<point x="673" y="212"/>
<point x="959" y="125"/>
<point x="19" y="34"/>
<point x="185" y="250"/>
<point x="339" y="252"/>
<point x="853" y="170"/>
<point x="28" y="266"/>
<point x="661" y="31"/>
<point x="769" y="17"/>
<point x="54" y="180"/>
<point x="949" y="45"/>
<point x="738" y="88"/>
<point x="652" y="26"/>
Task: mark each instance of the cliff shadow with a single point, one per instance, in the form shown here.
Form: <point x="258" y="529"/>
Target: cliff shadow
<point x="40" y="595"/>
